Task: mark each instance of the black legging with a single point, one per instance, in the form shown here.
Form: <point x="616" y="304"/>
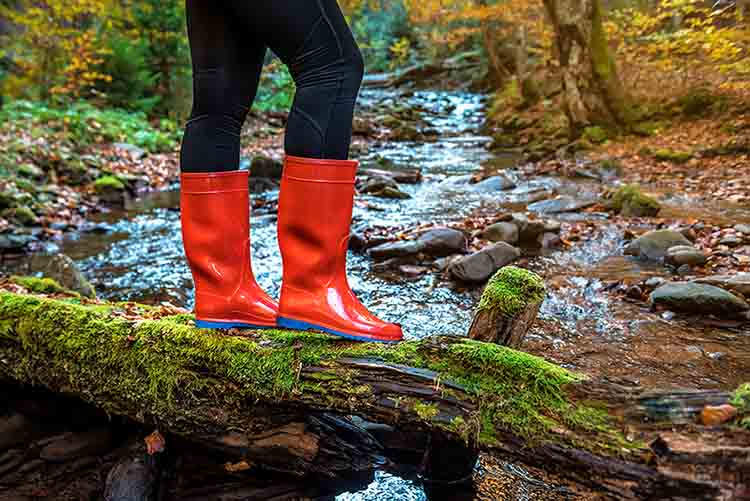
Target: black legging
<point x="228" y="41"/>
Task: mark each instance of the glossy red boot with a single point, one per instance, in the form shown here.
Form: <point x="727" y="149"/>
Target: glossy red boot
<point x="215" y="214"/>
<point x="315" y="212"/>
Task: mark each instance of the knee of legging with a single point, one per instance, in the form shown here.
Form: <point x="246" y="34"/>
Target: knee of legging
<point x="212" y="97"/>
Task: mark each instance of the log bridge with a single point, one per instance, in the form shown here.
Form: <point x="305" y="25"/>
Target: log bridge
<point x="302" y="403"/>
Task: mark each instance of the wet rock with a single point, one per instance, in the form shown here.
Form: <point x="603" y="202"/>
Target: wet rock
<point x="689" y="233"/>
<point x="552" y="226"/>
<point x="655" y="244"/>
<point x="529" y="229"/>
<point x="654" y="282"/>
<point x="560" y="204"/>
<point x="684" y="270"/>
<point x="77" y="444"/>
<point x="405" y="133"/>
<point x="7" y="200"/>
<point x="742" y="228"/>
<point x="134" y="478"/>
<point x="696" y="298"/>
<point x="134" y="151"/>
<point x="64" y="271"/>
<point x="549" y="240"/>
<point x="630" y="201"/>
<point x="412" y="270"/>
<point x="15" y="429"/>
<point x="31" y="171"/>
<point x="739" y="282"/>
<point x="440" y="242"/>
<point x="494" y="183"/>
<point x="393" y="193"/>
<point x="110" y="190"/>
<point x="15" y="243"/>
<point x="21" y="215"/>
<point x="480" y="266"/>
<point x="680" y="255"/>
<point x="634" y="292"/>
<point x="262" y="166"/>
<point x="396" y="249"/>
<point x="731" y="241"/>
<point x="261" y="184"/>
<point x="501" y="232"/>
<point x="357" y="242"/>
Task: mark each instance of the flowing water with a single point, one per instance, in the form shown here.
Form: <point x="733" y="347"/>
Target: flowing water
<point x="138" y="255"/>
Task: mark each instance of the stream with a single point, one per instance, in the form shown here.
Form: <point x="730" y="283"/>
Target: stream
<point x="137" y="255"/>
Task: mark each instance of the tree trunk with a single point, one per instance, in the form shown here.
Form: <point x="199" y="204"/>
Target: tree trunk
<point x="592" y="90"/>
<point x="273" y="398"/>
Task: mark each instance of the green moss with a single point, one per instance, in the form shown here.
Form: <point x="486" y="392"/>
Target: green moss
<point x="511" y="289"/>
<point x="7" y="200"/>
<point x="170" y="369"/>
<point x="38" y="285"/>
<point x="107" y="183"/>
<point x="741" y="398"/>
<point x="595" y="134"/>
<point x="667" y="155"/>
<point x="426" y="411"/>
<point x="629" y="200"/>
<point x="21" y="215"/>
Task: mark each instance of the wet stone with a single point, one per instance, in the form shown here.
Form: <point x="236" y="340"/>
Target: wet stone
<point x="480" y="266"/>
<point x="64" y="271"/>
<point x="742" y="228"/>
<point x="695" y="298"/>
<point x="77" y="444"/>
<point x="441" y="242"/>
<point x="396" y="249"/>
<point x="549" y="240"/>
<point x="501" y="232"/>
<point x="739" y="282"/>
<point x="494" y="183"/>
<point x="655" y="245"/>
<point x="14" y="429"/>
<point x="685" y="255"/>
<point x="731" y="241"/>
<point x="560" y="204"/>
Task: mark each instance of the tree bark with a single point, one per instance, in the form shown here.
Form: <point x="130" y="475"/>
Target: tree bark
<point x="592" y="90"/>
<point x="278" y="399"/>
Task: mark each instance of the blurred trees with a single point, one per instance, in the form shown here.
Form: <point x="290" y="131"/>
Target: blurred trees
<point x="602" y="61"/>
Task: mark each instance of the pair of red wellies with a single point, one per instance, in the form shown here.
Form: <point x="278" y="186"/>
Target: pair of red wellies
<point x="315" y="211"/>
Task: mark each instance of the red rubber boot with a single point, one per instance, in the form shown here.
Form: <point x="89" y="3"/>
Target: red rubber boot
<point x="315" y="212"/>
<point x="215" y="214"/>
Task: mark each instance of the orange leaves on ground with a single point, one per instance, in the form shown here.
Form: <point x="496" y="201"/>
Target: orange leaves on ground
<point x="155" y="443"/>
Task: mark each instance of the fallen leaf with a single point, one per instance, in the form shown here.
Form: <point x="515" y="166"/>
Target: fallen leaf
<point x="235" y="467"/>
<point x="715" y="415"/>
<point x="154" y="443"/>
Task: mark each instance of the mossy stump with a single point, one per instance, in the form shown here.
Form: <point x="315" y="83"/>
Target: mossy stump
<point x="508" y="308"/>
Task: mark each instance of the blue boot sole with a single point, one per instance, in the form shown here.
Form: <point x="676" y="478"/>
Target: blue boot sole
<point x="205" y="324"/>
<point x="299" y="325"/>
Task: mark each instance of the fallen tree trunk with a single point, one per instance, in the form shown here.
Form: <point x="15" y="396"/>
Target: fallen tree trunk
<point x="262" y="396"/>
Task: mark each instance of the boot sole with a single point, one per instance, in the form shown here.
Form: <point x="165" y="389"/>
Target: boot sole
<point x="299" y="325"/>
<point x="207" y="324"/>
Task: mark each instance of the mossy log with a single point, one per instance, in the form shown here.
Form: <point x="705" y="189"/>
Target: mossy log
<point x="272" y="397"/>
<point x="509" y="305"/>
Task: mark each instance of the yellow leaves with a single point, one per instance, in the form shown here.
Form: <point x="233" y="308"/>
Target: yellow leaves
<point x="400" y="51"/>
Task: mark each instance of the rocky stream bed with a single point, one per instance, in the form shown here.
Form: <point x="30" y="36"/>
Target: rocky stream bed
<point x="649" y="298"/>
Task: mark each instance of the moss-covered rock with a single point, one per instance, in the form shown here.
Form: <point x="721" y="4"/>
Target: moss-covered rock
<point x="511" y="289"/>
<point x="38" y="285"/>
<point x="596" y="134"/>
<point x="107" y="183"/>
<point x="110" y="189"/>
<point x="7" y="200"/>
<point x="667" y="155"/>
<point x="21" y="215"/>
<point x="629" y="200"/>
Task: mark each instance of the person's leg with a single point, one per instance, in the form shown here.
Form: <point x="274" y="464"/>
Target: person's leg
<point x="317" y="186"/>
<point x="214" y="199"/>
<point x="312" y="38"/>
<point x="227" y="62"/>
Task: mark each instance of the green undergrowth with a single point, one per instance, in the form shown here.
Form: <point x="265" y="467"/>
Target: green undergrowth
<point x="169" y="368"/>
<point x="741" y="400"/>
<point x="511" y="289"/>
